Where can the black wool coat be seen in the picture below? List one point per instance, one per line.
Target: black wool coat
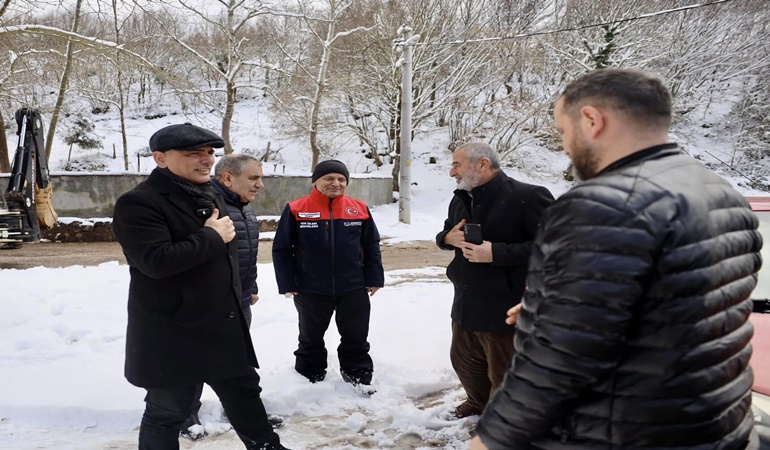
(509, 212)
(634, 332)
(185, 324)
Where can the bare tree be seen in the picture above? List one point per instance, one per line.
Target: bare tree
(121, 103)
(473, 77)
(222, 48)
(310, 65)
(63, 82)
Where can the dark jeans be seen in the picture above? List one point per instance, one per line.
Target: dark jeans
(167, 408)
(196, 406)
(352, 318)
(481, 361)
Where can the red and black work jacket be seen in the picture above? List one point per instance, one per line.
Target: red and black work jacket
(327, 246)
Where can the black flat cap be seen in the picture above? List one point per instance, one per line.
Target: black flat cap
(330, 166)
(184, 136)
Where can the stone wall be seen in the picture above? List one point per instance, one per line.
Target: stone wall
(93, 195)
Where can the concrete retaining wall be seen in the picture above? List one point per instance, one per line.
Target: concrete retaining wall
(93, 195)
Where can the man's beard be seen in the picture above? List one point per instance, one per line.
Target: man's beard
(585, 162)
(468, 181)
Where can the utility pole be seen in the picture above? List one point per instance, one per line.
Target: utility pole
(405, 168)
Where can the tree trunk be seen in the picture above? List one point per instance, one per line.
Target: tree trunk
(397, 165)
(266, 156)
(228, 117)
(4, 7)
(5, 165)
(316, 109)
(62, 86)
(121, 100)
(319, 92)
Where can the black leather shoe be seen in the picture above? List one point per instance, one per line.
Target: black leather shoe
(314, 377)
(269, 447)
(275, 421)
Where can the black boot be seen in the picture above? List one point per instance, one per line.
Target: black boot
(192, 428)
(357, 376)
(360, 379)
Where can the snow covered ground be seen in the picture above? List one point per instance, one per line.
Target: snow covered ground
(63, 333)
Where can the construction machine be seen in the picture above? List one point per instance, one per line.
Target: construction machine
(25, 206)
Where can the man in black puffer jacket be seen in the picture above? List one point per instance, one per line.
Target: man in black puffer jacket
(238, 179)
(633, 332)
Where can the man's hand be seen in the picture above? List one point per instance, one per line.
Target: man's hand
(223, 226)
(372, 290)
(455, 237)
(254, 299)
(477, 253)
(290, 294)
(513, 314)
(476, 444)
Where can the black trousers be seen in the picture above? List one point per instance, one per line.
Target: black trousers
(352, 318)
(167, 408)
(196, 406)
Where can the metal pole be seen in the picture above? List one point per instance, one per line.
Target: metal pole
(405, 170)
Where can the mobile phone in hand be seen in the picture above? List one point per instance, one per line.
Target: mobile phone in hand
(473, 233)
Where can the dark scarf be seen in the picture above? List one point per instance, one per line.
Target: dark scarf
(202, 194)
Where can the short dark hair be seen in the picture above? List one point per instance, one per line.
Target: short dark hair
(640, 96)
(233, 163)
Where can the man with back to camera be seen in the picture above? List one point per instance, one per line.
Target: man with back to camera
(185, 324)
(488, 277)
(633, 332)
(326, 253)
(237, 179)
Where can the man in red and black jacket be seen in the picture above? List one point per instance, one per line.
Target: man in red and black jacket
(326, 253)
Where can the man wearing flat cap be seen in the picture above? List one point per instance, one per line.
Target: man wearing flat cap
(326, 253)
(185, 324)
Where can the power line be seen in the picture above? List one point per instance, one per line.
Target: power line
(582, 27)
(756, 184)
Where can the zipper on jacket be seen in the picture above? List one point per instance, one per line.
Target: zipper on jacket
(248, 225)
(331, 238)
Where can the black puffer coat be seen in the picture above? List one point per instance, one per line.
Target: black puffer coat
(247, 234)
(635, 332)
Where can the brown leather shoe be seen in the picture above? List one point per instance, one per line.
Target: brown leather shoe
(464, 410)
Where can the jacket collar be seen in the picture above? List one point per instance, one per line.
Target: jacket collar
(229, 196)
(653, 152)
(176, 196)
(479, 193)
(317, 196)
